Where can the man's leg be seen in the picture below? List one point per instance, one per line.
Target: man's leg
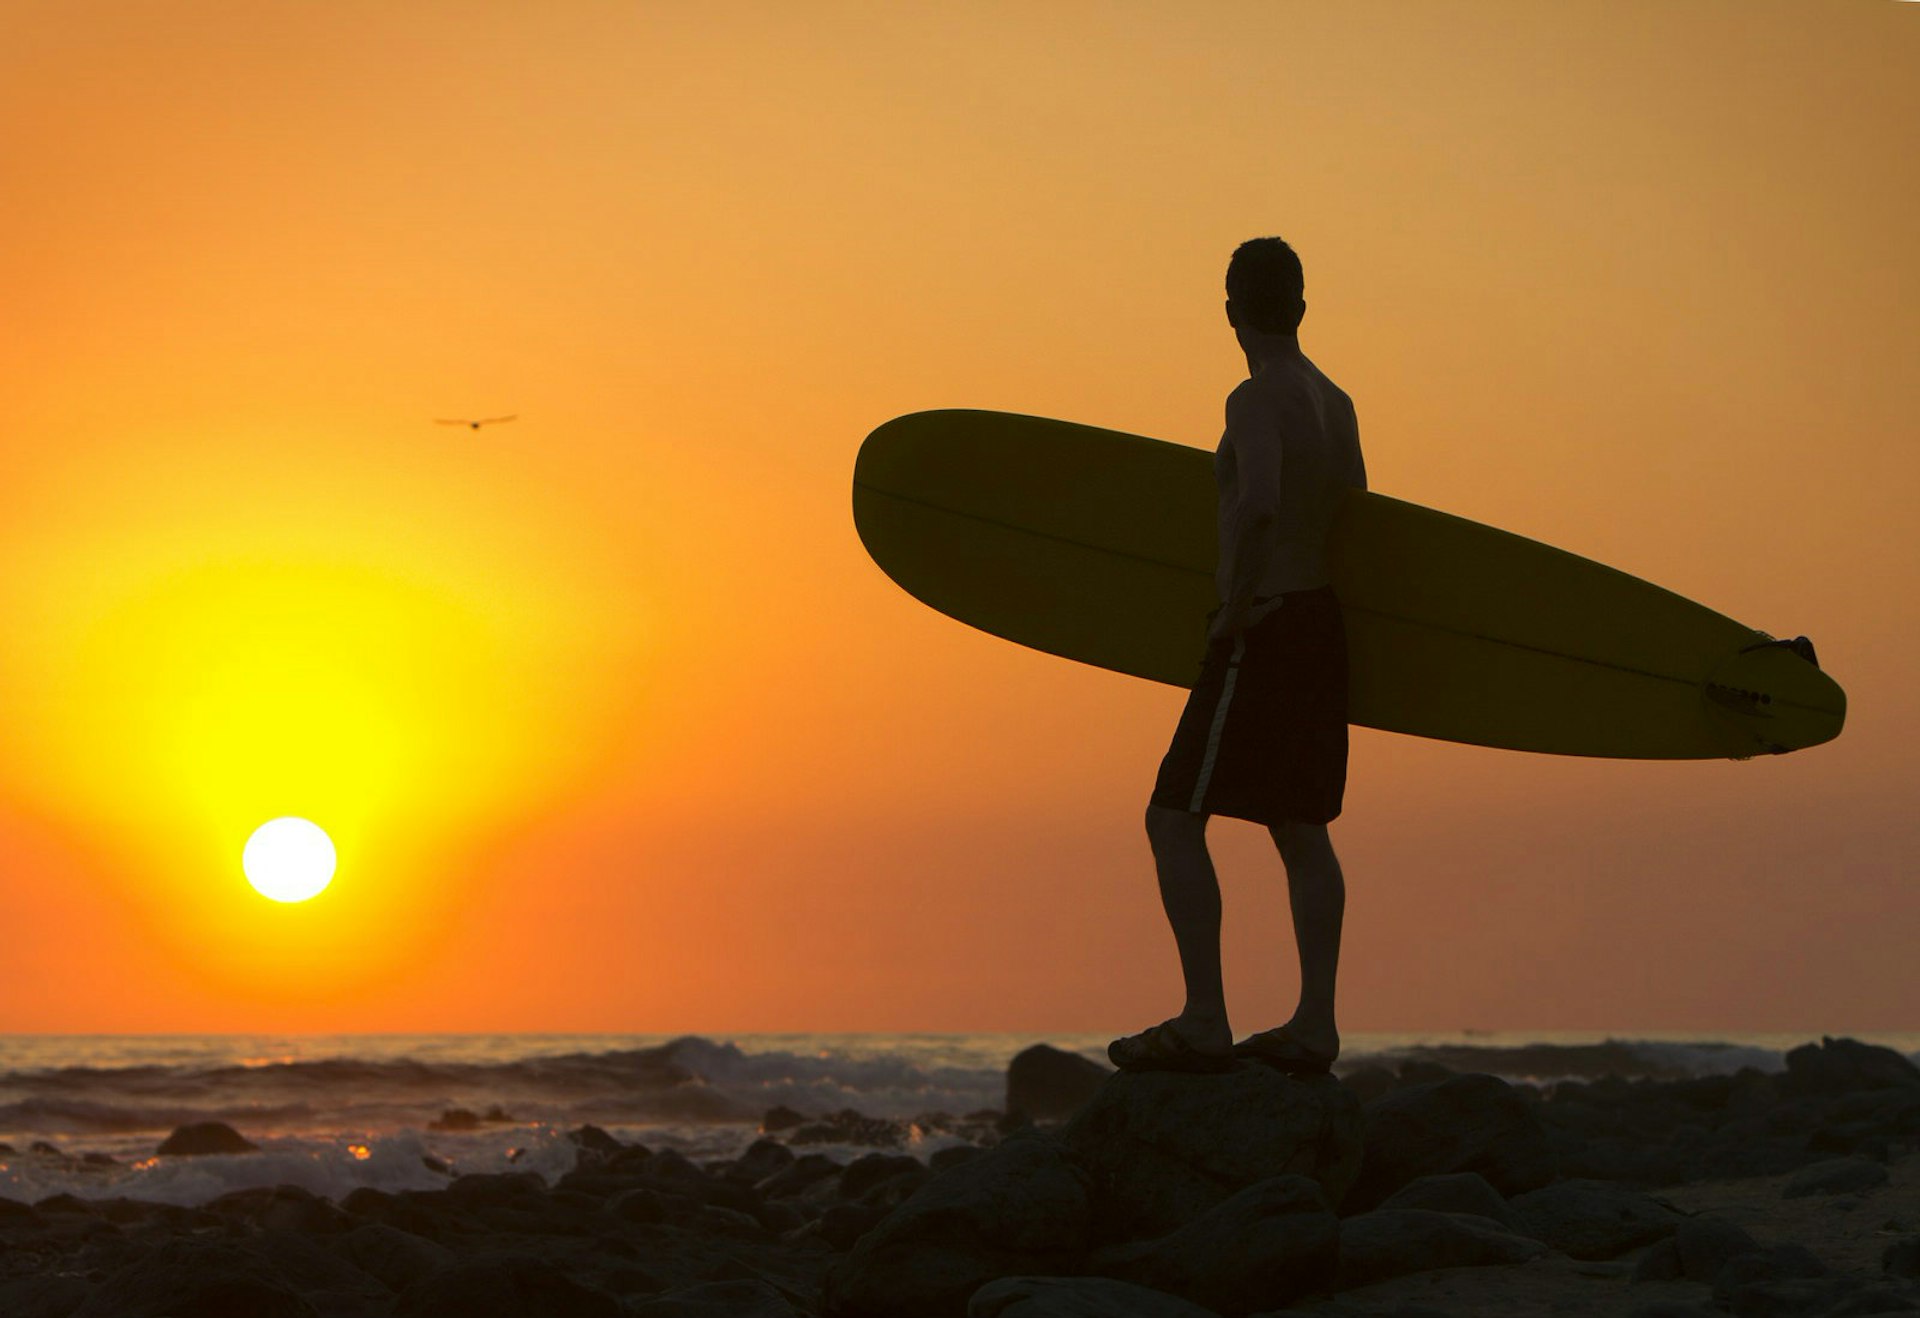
(1191, 895)
(1317, 892)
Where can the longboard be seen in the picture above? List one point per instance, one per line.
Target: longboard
(1100, 547)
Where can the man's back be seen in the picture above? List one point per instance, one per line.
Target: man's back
(1291, 408)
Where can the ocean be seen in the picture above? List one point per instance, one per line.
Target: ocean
(84, 1115)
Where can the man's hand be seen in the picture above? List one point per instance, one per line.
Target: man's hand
(1229, 620)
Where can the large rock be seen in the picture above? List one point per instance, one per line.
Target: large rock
(742, 1298)
(503, 1286)
(1593, 1219)
(1164, 1147)
(1465, 1123)
(1022, 1207)
(195, 1277)
(1835, 1176)
(1046, 1083)
(1392, 1242)
(1837, 1065)
(1262, 1248)
(1457, 1192)
(1076, 1297)
(397, 1258)
(204, 1137)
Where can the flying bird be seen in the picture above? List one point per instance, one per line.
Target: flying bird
(475, 424)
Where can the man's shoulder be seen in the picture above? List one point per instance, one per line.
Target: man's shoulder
(1270, 399)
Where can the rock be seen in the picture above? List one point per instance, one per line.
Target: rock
(1764, 1267)
(1592, 1219)
(781, 1118)
(1076, 1297)
(1705, 1244)
(1394, 1242)
(502, 1286)
(1455, 1192)
(1050, 1084)
(1672, 1309)
(1163, 1147)
(43, 1297)
(761, 1160)
(395, 1258)
(798, 1175)
(717, 1299)
(1835, 1176)
(863, 1174)
(1872, 1299)
(1367, 1083)
(1660, 1263)
(282, 1208)
(1467, 1123)
(1902, 1258)
(594, 1143)
(13, 1214)
(1838, 1065)
(1261, 1248)
(204, 1137)
(211, 1278)
(850, 1127)
(1021, 1208)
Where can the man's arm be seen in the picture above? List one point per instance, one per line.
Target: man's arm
(1253, 523)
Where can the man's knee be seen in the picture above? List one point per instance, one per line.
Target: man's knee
(1167, 827)
(1301, 842)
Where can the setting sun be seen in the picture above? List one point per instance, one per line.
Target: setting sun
(289, 859)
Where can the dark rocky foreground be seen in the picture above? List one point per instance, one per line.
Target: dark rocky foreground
(1414, 1193)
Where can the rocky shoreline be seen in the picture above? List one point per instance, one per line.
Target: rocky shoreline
(1412, 1192)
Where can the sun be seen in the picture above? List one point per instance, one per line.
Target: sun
(289, 859)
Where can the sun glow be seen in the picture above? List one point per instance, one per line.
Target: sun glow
(289, 859)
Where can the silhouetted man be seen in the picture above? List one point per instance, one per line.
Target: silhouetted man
(1264, 733)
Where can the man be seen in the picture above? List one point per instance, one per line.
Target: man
(1264, 733)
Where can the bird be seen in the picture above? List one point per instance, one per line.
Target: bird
(475, 425)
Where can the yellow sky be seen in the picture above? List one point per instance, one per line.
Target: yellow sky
(615, 725)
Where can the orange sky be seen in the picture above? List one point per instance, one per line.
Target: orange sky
(615, 725)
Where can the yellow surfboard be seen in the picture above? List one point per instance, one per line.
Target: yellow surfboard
(1100, 547)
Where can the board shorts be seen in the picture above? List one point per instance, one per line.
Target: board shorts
(1264, 733)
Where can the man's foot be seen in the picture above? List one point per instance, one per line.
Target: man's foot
(1164, 1048)
(1284, 1049)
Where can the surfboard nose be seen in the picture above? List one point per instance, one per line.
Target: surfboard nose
(1771, 697)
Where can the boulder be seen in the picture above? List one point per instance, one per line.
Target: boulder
(1593, 1219)
(1050, 1084)
(1465, 1123)
(502, 1286)
(742, 1298)
(1835, 1176)
(761, 1160)
(43, 1297)
(204, 1137)
(1076, 1297)
(1022, 1207)
(1902, 1258)
(1706, 1243)
(1394, 1242)
(396, 1258)
(1164, 1147)
(194, 1277)
(1455, 1192)
(1837, 1065)
(1262, 1248)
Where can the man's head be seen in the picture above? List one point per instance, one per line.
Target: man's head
(1265, 288)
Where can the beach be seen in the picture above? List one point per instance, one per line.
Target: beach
(927, 1174)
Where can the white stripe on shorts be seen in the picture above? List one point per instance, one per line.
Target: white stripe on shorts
(1219, 724)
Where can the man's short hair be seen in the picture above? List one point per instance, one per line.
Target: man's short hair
(1266, 286)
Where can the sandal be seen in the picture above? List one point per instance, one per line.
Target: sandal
(1162, 1048)
(1283, 1052)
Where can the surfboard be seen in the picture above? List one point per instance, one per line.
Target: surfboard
(1099, 546)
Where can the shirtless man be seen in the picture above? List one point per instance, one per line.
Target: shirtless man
(1264, 733)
